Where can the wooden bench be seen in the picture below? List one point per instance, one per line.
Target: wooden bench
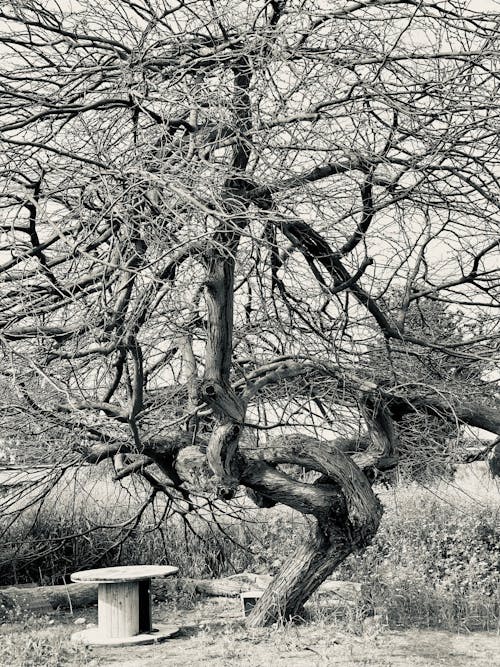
(124, 605)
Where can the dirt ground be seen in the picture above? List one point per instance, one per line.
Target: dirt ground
(212, 635)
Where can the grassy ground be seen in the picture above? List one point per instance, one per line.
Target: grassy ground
(212, 635)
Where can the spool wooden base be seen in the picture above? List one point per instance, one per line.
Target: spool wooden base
(95, 637)
(124, 606)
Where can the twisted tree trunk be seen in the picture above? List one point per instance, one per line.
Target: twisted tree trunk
(346, 510)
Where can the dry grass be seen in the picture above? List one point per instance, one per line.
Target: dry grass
(40, 641)
(214, 636)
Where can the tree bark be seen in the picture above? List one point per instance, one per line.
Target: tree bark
(301, 576)
(343, 503)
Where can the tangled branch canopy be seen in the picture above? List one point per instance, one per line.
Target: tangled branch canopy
(262, 213)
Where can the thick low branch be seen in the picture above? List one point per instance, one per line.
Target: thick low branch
(480, 416)
(326, 458)
(224, 459)
(281, 488)
(223, 400)
(166, 446)
(381, 432)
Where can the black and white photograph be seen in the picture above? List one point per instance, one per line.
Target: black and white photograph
(249, 333)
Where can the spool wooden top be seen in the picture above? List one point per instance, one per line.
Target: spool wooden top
(114, 575)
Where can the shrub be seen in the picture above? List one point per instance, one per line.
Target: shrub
(433, 564)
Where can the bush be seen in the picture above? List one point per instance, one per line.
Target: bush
(433, 564)
(46, 549)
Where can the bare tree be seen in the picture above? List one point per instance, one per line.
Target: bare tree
(204, 207)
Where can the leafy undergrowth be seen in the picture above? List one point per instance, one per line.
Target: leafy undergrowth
(433, 564)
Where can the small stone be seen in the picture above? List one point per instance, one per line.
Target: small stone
(80, 621)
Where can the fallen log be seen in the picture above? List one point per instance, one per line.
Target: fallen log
(43, 599)
(340, 593)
